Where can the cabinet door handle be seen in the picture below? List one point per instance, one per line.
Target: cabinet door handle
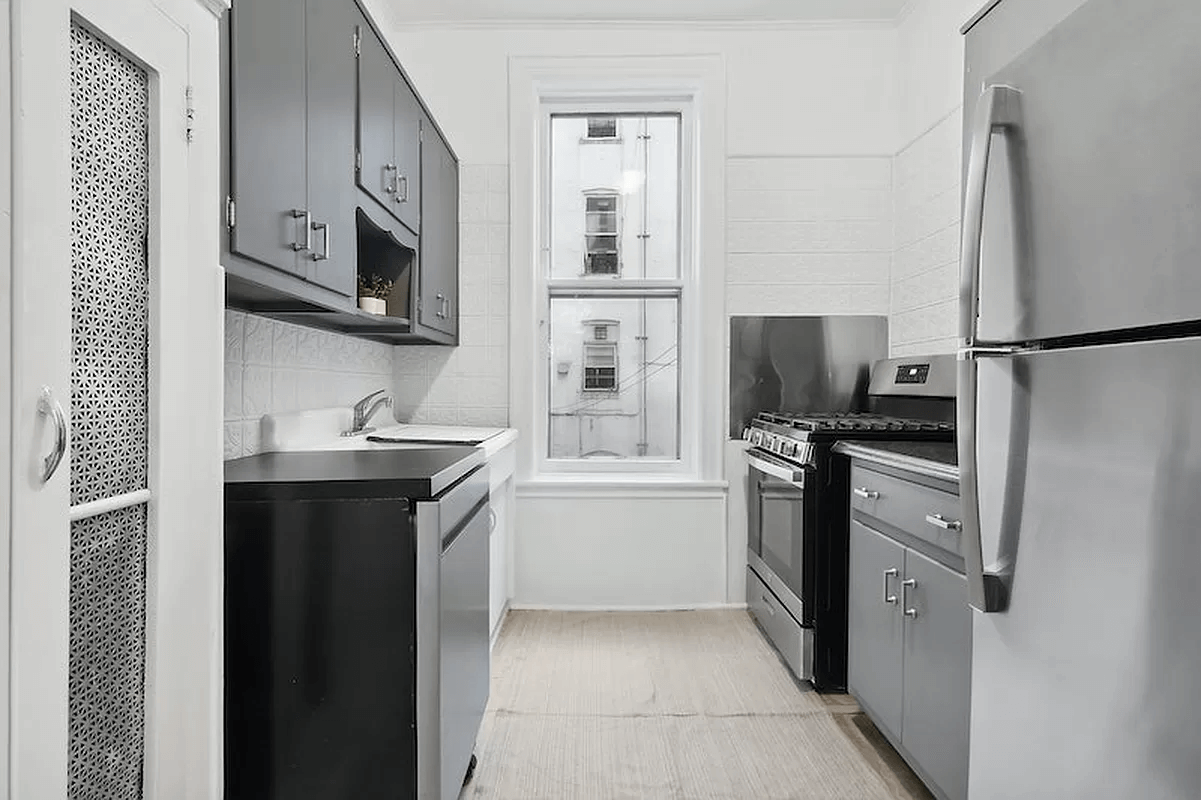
(446, 308)
(939, 521)
(324, 228)
(889, 599)
(865, 493)
(390, 186)
(403, 196)
(441, 312)
(48, 406)
(906, 585)
(307, 243)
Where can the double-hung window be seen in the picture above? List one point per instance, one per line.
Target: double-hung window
(616, 285)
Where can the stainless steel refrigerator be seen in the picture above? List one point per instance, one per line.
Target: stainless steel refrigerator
(1080, 397)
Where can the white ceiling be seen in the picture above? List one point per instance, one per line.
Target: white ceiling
(657, 11)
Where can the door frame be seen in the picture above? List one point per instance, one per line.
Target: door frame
(183, 757)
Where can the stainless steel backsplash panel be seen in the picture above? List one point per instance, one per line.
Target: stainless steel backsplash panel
(802, 364)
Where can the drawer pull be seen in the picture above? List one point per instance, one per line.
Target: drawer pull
(865, 493)
(889, 599)
(939, 521)
(767, 605)
(906, 585)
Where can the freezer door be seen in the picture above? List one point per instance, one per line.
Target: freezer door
(1087, 684)
(1092, 198)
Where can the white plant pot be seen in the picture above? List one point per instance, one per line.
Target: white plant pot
(373, 305)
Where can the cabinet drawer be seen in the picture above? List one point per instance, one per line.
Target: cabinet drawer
(912, 507)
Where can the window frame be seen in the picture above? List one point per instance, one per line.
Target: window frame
(685, 288)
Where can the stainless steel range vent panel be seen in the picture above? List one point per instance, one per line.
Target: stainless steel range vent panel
(109, 419)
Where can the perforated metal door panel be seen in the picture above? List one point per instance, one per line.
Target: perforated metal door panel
(109, 414)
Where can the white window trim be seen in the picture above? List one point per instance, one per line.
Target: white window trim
(694, 86)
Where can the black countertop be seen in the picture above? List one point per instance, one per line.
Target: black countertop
(419, 473)
(935, 459)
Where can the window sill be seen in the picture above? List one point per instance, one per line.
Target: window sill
(601, 140)
(651, 486)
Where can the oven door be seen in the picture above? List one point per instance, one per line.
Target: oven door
(776, 526)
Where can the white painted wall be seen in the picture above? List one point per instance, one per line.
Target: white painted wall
(923, 307)
(273, 366)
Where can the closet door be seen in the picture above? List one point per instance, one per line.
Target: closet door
(99, 292)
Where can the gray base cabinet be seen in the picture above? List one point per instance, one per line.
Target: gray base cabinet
(909, 625)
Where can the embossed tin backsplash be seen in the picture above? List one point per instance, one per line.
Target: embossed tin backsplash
(801, 364)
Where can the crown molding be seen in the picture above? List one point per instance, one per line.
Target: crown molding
(674, 24)
(215, 7)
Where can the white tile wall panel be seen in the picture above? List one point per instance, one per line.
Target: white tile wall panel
(926, 288)
(791, 298)
(920, 219)
(809, 204)
(473, 179)
(938, 321)
(808, 268)
(789, 174)
(747, 236)
(933, 251)
(928, 347)
(273, 366)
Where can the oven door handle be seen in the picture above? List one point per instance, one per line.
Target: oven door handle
(777, 469)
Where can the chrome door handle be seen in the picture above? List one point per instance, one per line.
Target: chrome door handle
(441, 305)
(998, 110)
(491, 520)
(889, 599)
(906, 585)
(48, 406)
(324, 228)
(403, 195)
(446, 307)
(307, 244)
(939, 521)
(865, 493)
(389, 186)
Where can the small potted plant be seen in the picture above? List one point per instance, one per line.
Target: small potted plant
(373, 294)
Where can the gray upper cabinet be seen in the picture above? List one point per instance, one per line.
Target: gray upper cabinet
(378, 173)
(875, 623)
(389, 127)
(330, 113)
(938, 668)
(439, 236)
(269, 159)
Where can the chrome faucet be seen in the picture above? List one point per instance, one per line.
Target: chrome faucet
(363, 411)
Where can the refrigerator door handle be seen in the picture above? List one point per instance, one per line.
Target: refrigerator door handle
(998, 111)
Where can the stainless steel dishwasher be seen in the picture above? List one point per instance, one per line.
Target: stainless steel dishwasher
(453, 655)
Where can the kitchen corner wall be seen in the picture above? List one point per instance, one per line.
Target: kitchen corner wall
(923, 308)
(468, 384)
(273, 366)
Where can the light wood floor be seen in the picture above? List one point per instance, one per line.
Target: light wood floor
(673, 705)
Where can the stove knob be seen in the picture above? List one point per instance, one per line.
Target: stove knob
(792, 448)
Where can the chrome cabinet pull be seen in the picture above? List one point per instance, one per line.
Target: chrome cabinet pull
(389, 186)
(441, 306)
(324, 228)
(889, 599)
(307, 244)
(767, 604)
(48, 406)
(906, 585)
(939, 521)
(446, 308)
(491, 520)
(865, 493)
(403, 195)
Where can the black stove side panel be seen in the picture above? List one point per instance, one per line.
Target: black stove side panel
(831, 567)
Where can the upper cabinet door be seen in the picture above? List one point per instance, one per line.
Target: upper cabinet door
(439, 236)
(268, 160)
(330, 126)
(378, 172)
(408, 157)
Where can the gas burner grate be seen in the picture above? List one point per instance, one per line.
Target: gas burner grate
(855, 422)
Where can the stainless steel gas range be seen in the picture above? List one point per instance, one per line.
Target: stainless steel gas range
(798, 500)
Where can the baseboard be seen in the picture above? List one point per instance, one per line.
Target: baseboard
(677, 607)
(500, 623)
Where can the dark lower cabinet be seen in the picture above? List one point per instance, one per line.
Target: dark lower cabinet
(320, 631)
(909, 654)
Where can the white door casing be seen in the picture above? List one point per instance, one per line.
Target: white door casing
(168, 38)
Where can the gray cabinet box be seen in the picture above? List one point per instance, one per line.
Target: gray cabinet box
(909, 626)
